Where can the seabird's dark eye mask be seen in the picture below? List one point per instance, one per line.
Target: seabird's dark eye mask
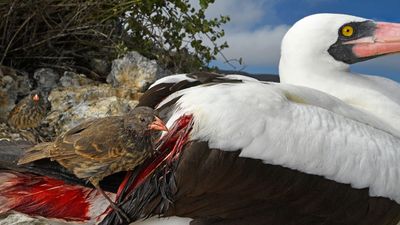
(349, 32)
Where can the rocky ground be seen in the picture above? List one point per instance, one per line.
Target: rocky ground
(72, 98)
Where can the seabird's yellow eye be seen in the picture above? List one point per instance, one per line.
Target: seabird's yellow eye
(347, 31)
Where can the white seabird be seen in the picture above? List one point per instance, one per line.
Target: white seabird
(318, 50)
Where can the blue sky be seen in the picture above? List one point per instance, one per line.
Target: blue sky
(257, 27)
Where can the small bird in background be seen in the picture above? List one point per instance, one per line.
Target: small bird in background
(104, 146)
(29, 112)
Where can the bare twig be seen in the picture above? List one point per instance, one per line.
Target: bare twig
(15, 34)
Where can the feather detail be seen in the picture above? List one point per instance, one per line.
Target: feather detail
(50, 198)
(139, 188)
(37, 152)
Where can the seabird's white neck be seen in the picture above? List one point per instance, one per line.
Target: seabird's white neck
(314, 68)
(322, 73)
(300, 68)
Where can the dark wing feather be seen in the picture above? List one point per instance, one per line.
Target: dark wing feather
(12, 151)
(159, 92)
(247, 191)
(82, 126)
(209, 77)
(220, 188)
(152, 97)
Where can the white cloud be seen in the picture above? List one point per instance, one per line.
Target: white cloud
(247, 36)
(244, 15)
(258, 47)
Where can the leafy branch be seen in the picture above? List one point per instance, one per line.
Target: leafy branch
(70, 33)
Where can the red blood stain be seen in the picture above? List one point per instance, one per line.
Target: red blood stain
(47, 197)
(169, 148)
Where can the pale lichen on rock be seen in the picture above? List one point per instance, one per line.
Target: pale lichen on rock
(135, 71)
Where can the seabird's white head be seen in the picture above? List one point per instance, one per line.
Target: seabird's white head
(333, 41)
(318, 50)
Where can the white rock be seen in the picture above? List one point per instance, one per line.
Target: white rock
(135, 71)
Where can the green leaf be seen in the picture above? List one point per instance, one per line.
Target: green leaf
(203, 4)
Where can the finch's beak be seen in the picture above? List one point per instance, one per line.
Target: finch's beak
(35, 98)
(158, 124)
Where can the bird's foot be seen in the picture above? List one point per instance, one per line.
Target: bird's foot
(123, 217)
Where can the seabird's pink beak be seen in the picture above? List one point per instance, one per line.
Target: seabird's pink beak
(385, 40)
(158, 124)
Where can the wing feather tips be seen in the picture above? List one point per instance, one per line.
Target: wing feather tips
(50, 198)
(6, 181)
(35, 153)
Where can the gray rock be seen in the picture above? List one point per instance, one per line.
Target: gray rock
(135, 71)
(23, 84)
(8, 95)
(100, 66)
(73, 105)
(46, 79)
(71, 79)
(110, 106)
